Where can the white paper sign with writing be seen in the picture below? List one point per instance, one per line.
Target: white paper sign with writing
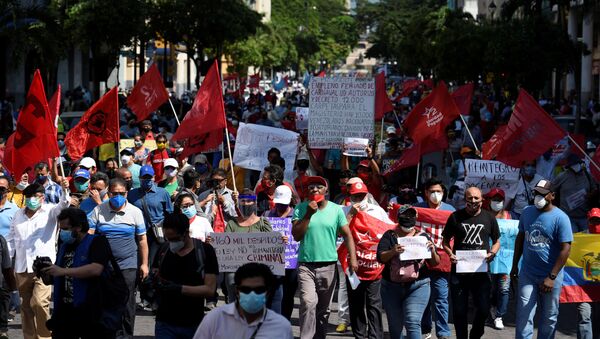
(302, 118)
(236, 249)
(489, 174)
(355, 147)
(340, 107)
(254, 141)
(471, 261)
(415, 248)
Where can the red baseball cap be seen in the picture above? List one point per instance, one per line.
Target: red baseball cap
(494, 192)
(365, 163)
(594, 213)
(357, 188)
(316, 180)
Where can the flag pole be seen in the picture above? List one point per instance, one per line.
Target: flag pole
(469, 132)
(584, 153)
(417, 180)
(230, 159)
(381, 135)
(174, 113)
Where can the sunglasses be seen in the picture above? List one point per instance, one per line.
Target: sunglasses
(248, 289)
(118, 193)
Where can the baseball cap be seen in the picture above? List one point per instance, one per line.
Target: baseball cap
(171, 163)
(82, 173)
(357, 188)
(283, 195)
(146, 170)
(354, 180)
(316, 180)
(87, 162)
(127, 151)
(494, 192)
(200, 158)
(406, 208)
(365, 163)
(594, 213)
(543, 187)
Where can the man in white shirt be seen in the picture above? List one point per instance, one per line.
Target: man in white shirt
(248, 316)
(33, 234)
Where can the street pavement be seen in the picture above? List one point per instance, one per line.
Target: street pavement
(567, 323)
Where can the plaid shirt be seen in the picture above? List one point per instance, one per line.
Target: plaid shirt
(53, 192)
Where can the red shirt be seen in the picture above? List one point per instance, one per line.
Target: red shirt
(157, 158)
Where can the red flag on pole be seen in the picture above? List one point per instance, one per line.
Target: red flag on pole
(463, 97)
(530, 132)
(54, 106)
(208, 111)
(491, 147)
(429, 118)
(383, 104)
(412, 155)
(148, 94)
(98, 126)
(254, 81)
(35, 136)
(201, 143)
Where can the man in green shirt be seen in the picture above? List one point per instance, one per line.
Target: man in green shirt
(316, 224)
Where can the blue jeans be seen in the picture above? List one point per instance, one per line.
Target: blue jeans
(404, 305)
(588, 320)
(501, 288)
(439, 303)
(478, 285)
(276, 300)
(528, 298)
(163, 330)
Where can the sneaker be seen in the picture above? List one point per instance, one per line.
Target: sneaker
(498, 324)
(341, 328)
(427, 335)
(210, 306)
(3, 335)
(11, 316)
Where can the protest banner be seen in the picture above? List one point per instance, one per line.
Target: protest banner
(236, 249)
(254, 141)
(340, 107)
(302, 118)
(284, 226)
(581, 281)
(488, 174)
(355, 147)
(502, 263)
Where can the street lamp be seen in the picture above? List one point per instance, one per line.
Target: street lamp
(492, 8)
(322, 64)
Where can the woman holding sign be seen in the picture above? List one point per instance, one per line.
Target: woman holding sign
(405, 292)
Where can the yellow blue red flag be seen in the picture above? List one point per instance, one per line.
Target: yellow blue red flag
(581, 281)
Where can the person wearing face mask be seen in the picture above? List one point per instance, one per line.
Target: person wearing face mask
(247, 317)
(123, 224)
(471, 228)
(544, 242)
(440, 274)
(404, 288)
(343, 198)
(60, 140)
(202, 167)
(199, 225)
(573, 186)
(81, 182)
(158, 157)
(146, 130)
(140, 152)
(185, 273)
(52, 190)
(524, 194)
(80, 261)
(127, 162)
(32, 234)
(368, 171)
(15, 194)
(111, 167)
(219, 196)
(98, 193)
(272, 177)
(172, 182)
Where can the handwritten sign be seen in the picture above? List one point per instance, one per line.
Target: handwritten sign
(355, 147)
(340, 107)
(284, 226)
(415, 248)
(236, 249)
(489, 174)
(471, 261)
(302, 118)
(254, 141)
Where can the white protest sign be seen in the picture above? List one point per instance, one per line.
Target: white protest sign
(355, 147)
(340, 107)
(488, 174)
(236, 249)
(415, 248)
(471, 261)
(254, 141)
(302, 118)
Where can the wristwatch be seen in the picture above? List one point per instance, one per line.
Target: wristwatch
(551, 276)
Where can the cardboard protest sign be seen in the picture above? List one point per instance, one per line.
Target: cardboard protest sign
(488, 174)
(355, 147)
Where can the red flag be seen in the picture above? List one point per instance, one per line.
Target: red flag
(407, 87)
(35, 136)
(219, 221)
(148, 94)
(202, 143)
(98, 126)
(54, 106)
(429, 118)
(366, 232)
(253, 81)
(208, 112)
(463, 97)
(383, 104)
(530, 132)
(412, 155)
(491, 147)
(595, 171)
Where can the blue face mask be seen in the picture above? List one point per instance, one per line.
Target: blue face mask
(201, 168)
(189, 212)
(146, 184)
(252, 302)
(67, 237)
(117, 201)
(81, 187)
(33, 203)
(42, 179)
(61, 143)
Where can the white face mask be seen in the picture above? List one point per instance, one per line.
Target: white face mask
(576, 168)
(540, 202)
(22, 185)
(125, 159)
(407, 229)
(171, 173)
(436, 197)
(497, 206)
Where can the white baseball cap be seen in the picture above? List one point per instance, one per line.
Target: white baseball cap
(87, 162)
(283, 195)
(171, 162)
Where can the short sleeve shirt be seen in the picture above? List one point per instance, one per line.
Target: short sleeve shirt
(319, 242)
(471, 232)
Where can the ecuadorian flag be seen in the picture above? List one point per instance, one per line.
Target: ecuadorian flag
(581, 281)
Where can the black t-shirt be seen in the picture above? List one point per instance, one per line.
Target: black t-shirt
(471, 232)
(180, 310)
(388, 240)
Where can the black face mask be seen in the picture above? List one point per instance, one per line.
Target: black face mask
(247, 210)
(406, 221)
(129, 184)
(111, 173)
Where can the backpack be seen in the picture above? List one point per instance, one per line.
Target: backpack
(405, 271)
